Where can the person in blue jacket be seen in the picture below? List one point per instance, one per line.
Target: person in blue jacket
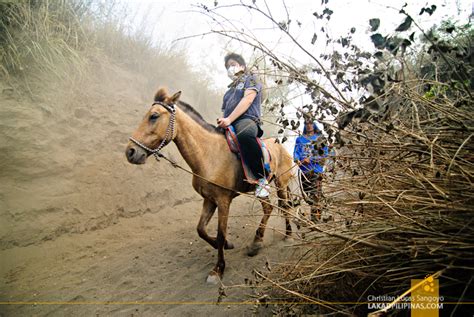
(310, 153)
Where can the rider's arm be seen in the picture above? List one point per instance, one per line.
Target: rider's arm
(244, 104)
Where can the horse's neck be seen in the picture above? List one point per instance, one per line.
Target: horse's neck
(197, 145)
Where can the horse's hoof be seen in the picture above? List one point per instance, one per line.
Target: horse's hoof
(254, 248)
(213, 278)
(288, 240)
(228, 245)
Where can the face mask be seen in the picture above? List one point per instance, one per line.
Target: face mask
(233, 70)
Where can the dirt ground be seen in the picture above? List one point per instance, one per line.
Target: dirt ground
(152, 258)
(80, 226)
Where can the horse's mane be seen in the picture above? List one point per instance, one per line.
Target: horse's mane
(196, 116)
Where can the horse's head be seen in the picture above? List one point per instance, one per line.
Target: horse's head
(156, 129)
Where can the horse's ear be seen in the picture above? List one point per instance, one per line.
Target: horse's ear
(175, 97)
(161, 94)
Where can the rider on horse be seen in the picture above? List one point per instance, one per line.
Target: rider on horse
(241, 109)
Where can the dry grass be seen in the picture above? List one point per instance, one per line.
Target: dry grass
(50, 41)
(40, 37)
(402, 199)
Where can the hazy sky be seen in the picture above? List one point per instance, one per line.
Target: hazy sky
(172, 20)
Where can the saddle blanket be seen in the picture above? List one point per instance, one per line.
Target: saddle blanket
(234, 147)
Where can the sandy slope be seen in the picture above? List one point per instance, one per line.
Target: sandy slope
(80, 224)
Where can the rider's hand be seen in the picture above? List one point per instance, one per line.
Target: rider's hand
(305, 161)
(223, 122)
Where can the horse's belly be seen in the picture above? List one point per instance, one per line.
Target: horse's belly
(230, 183)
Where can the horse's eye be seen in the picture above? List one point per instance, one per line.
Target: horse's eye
(154, 116)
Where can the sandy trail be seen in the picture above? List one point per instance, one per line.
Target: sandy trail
(155, 257)
(78, 223)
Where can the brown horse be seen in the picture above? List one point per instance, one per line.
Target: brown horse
(218, 174)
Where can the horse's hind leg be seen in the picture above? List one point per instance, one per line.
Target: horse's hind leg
(257, 243)
(208, 210)
(284, 204)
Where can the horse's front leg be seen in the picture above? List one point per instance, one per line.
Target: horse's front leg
(257, 243)
(223, 215)
(208, 209)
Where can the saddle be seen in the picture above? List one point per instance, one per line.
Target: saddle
(234, 147)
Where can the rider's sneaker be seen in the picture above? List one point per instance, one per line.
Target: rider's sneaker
(262, 189)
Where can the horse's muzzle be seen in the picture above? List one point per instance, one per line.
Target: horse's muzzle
(135, 154)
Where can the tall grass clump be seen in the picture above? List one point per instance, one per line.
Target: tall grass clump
(64, 38)
(42, 36)
(402, 193)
